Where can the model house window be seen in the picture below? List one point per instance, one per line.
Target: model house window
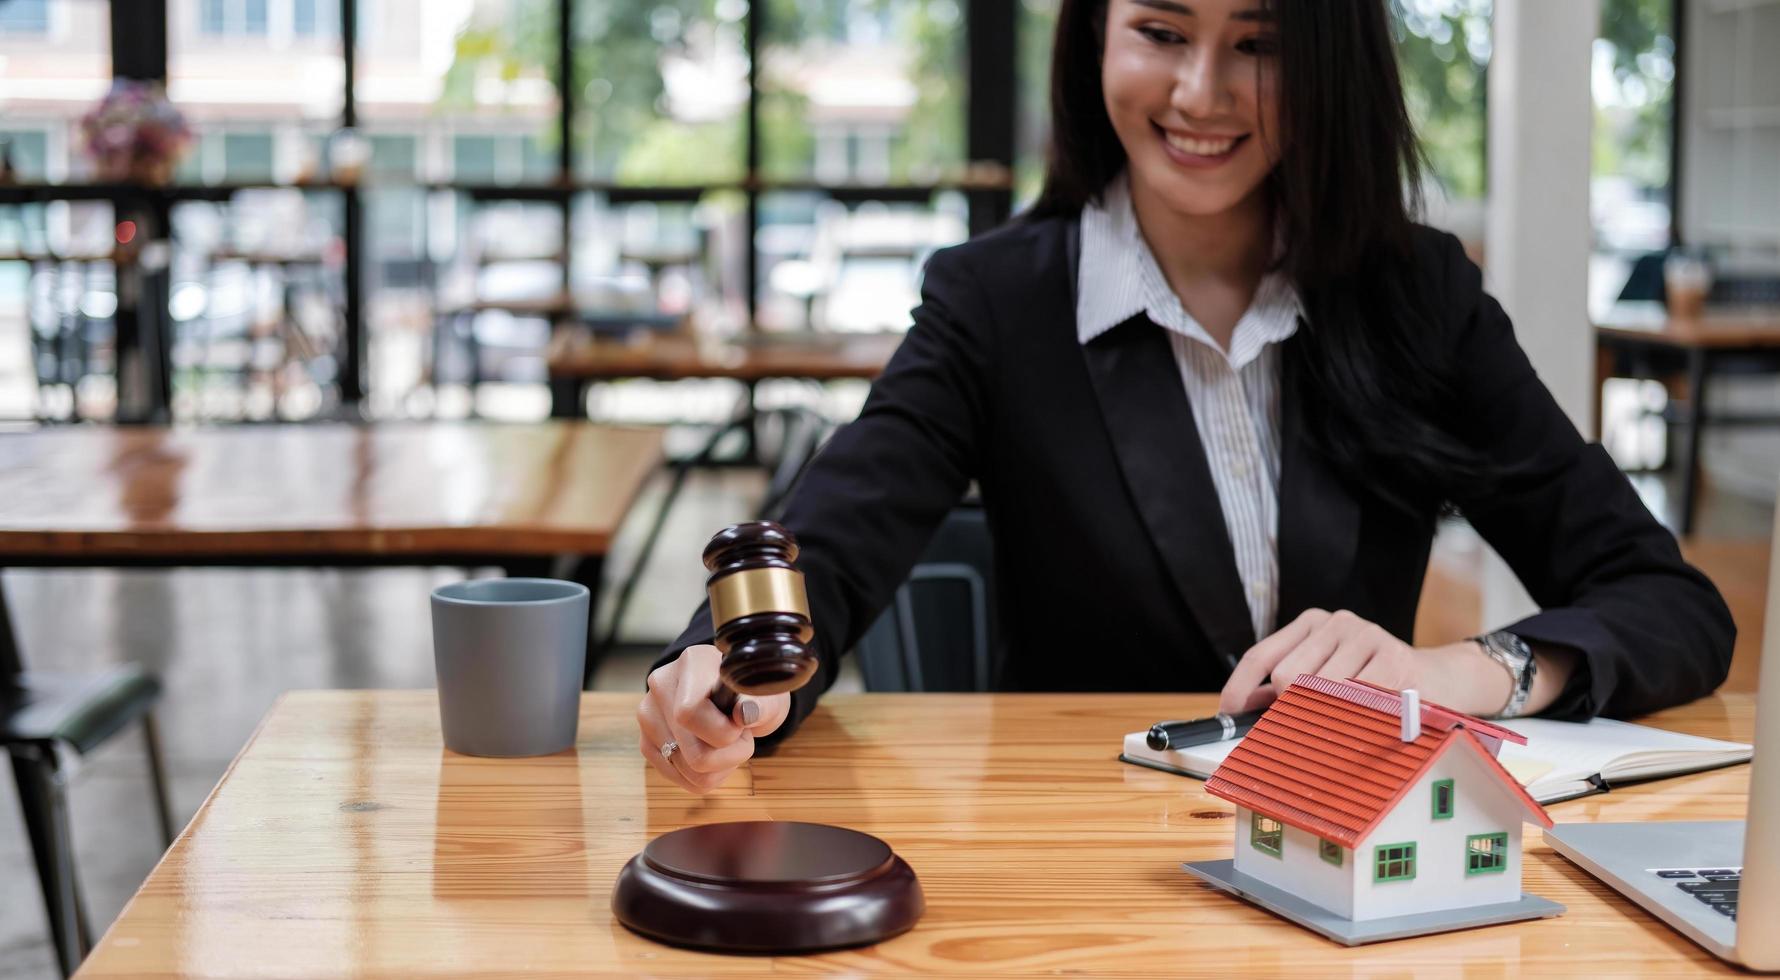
(1330, 851)
(1393, 862)
(1443, 799)
(1266, 834)
(1486, 854)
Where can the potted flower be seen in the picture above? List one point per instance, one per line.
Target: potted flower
(135, 135)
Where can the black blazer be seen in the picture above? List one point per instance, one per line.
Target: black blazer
(1113, 565)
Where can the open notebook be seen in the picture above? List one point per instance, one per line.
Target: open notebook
(1561, 760)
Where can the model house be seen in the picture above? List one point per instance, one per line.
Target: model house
(1370, 804)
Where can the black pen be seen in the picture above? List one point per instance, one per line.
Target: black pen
(1217, 728)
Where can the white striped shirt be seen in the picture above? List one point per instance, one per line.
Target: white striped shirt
(1234, 395)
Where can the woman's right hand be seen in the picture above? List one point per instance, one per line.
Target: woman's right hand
(678, 709)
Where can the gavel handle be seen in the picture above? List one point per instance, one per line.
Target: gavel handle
(724, 697)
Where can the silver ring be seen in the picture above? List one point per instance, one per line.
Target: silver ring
(668, 748)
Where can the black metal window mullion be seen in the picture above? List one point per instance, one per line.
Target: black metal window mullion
(991, 28)
(144, 383)
(1677, 117)
(754, 27)
(352, 367)
(565, 131)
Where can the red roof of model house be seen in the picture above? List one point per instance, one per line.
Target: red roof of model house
(1328, 758)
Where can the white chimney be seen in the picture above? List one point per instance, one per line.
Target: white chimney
(1412, 715)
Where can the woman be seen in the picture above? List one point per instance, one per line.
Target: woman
(1217, 388)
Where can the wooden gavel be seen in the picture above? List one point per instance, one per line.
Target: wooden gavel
(760, 612)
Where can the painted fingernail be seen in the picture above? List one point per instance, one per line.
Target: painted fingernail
(750, 712)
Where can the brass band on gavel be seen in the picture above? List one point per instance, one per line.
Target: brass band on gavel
(760, 614)
(757, 590)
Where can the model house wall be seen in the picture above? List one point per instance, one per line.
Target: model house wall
(1298, 869)
(1481, 804)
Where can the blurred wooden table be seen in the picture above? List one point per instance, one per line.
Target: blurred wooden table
(1642, 339)
(319, 494)
(575, 361)
(344, 841)
(527, 497)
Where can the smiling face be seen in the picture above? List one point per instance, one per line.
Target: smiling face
(1192, 90)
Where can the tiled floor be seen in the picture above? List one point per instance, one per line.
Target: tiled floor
(227, 642)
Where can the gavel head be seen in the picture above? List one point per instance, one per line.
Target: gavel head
(759, 609)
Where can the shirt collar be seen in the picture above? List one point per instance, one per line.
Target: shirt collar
(1118, 278)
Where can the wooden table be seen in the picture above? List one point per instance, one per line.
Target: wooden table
(521, 496)
(568, 315)
(577, 361)
(343, 840)
(1641, 339)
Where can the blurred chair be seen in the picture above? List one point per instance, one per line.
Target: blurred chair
(940, 632)
(1645, 281)
(41, 716)
(802, 433)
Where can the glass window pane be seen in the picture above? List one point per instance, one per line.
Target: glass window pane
(394, 157)
(310, 18)
(664, 91)
(1631, 191)
(24, 17)
(25, 152)
(234, 66)
(399, 271)
(213, 16)
(254, 286)
(473, 158)
(1443, 47)
(247, 157)
(670, 257)
(51, 76)
(857, 91)
(830, 265)
(474, 83)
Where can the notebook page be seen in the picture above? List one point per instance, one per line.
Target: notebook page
(1207, 757)
(1194, 760)
(1579, 750)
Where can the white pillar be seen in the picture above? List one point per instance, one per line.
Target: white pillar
(1537, 230)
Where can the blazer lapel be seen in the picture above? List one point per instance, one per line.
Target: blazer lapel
(1319, 518)
(1151, 423)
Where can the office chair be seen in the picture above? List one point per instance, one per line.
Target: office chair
(940, 632)
(40, 715)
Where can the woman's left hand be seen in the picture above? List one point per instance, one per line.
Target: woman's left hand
(1341, 645)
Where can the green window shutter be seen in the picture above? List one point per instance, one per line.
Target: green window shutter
(1330, 851)
(1393, 862)
(1443, 799)
(1266, 834)
(1486, 854)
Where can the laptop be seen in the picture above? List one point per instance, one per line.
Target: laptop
(1717, 882)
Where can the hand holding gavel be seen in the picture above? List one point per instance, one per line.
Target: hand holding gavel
(703, 710)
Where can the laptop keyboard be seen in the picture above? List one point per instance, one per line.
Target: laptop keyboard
(1716, 887)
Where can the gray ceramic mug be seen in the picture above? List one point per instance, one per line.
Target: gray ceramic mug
(509, 654)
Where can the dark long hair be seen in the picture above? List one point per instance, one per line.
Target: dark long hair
(1344, 193)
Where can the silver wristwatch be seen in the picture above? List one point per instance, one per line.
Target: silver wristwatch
(1515, 657)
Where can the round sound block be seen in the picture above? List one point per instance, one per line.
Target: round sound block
(767, 886)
